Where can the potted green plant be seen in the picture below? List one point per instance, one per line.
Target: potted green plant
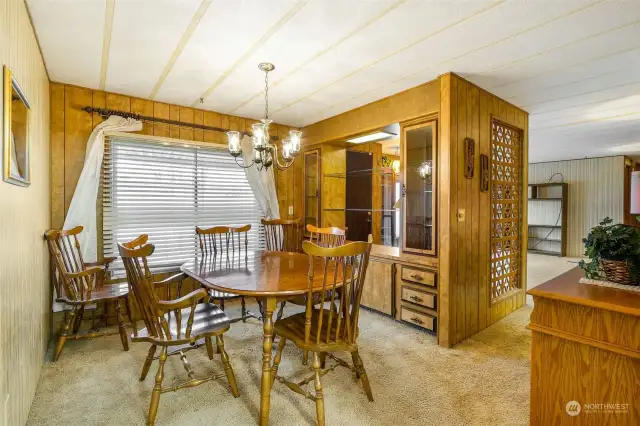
(614, 253)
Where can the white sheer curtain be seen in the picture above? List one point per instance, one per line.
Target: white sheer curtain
(82, 210)
(263, 183)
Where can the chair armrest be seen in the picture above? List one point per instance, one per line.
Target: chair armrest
(87, 272)
(172, 279)
(184, 302)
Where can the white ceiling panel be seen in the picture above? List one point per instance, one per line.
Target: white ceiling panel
(420, 20)
(608, 64)
(574, 65)
(227, 31)
(70, 34)
(145, 34)
(589, 48)
(295, 45)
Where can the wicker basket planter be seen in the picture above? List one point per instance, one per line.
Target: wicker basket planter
(617, 271)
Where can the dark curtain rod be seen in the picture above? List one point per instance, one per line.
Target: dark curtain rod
(104, 112)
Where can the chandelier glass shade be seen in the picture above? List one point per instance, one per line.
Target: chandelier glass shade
(265, 153)
(425, 170)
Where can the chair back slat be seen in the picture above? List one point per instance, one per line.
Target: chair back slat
(327, 237)
(223, 239)
(134, 257)
(66, 256)
(283, 235)
(343, 270)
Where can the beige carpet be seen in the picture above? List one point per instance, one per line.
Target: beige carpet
(482, 381)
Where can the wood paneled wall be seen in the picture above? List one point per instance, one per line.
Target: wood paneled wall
(464, 247)
(71, 127)
(596, 190)
(24, 216)
(415, 102)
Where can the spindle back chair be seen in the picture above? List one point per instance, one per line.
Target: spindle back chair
(79, 284)
(283, 235)
(184, 323)
(222, 238)
(178, 279)
(327, 237)
(226, 243)
(322, 330)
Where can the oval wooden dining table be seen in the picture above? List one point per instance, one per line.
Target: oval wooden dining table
(270, 277)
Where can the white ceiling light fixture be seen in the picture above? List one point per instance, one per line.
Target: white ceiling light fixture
(264, 152)
(377, 136)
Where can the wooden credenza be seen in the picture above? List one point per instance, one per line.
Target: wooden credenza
(585, 354)
(403, 286)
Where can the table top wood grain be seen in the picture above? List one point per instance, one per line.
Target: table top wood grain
(567, 288)
(257, 273)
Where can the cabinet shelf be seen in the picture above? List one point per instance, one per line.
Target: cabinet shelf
(551, 253)
(544, 201)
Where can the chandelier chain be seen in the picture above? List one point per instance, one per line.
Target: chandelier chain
(266, 95)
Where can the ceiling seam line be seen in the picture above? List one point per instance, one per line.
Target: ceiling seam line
(491, 69)
(186, 36)
(576, 123)
(630, 24)
(631, 49)
(265, 37)
(325, 51)
(392, 54)
(583, 93)
(564, 84)
(109, 12)
(582, 113)
(577, 106)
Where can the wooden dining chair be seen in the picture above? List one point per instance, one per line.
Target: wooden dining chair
(227, 244)
(320, 329)
(182, 324)
(283, 235)
(162, 287)
(327, 237)
(80, 284)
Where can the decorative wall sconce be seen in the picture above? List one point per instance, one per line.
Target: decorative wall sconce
(469, 157)
(484, 173)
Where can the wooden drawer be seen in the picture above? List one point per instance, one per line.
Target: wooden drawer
(418, 276)
(418, 297)
(422, 320)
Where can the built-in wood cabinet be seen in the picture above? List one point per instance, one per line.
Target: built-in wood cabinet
(312, 188)
(418, 162)
(378, 288)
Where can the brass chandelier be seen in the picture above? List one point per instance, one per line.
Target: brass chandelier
(264, 152)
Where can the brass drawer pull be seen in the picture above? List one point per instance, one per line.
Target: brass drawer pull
(416, 277)
(416, 298)
(417, 320)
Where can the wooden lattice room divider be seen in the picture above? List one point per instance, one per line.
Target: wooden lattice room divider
(506, 209)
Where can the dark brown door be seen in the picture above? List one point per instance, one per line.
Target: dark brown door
(359, 191)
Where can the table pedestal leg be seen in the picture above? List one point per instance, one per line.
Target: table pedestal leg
(265, 387)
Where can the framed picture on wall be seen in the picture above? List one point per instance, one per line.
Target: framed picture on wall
(16, 132)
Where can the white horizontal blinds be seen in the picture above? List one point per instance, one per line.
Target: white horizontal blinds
(165, 191)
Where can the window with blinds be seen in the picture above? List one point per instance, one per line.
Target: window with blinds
(165, 191)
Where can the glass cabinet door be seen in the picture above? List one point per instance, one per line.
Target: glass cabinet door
(311, 189)
(419, 175)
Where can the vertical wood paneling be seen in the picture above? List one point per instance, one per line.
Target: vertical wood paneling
(465, 277)
(25, 214)
(596, 190)
(444, 220)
